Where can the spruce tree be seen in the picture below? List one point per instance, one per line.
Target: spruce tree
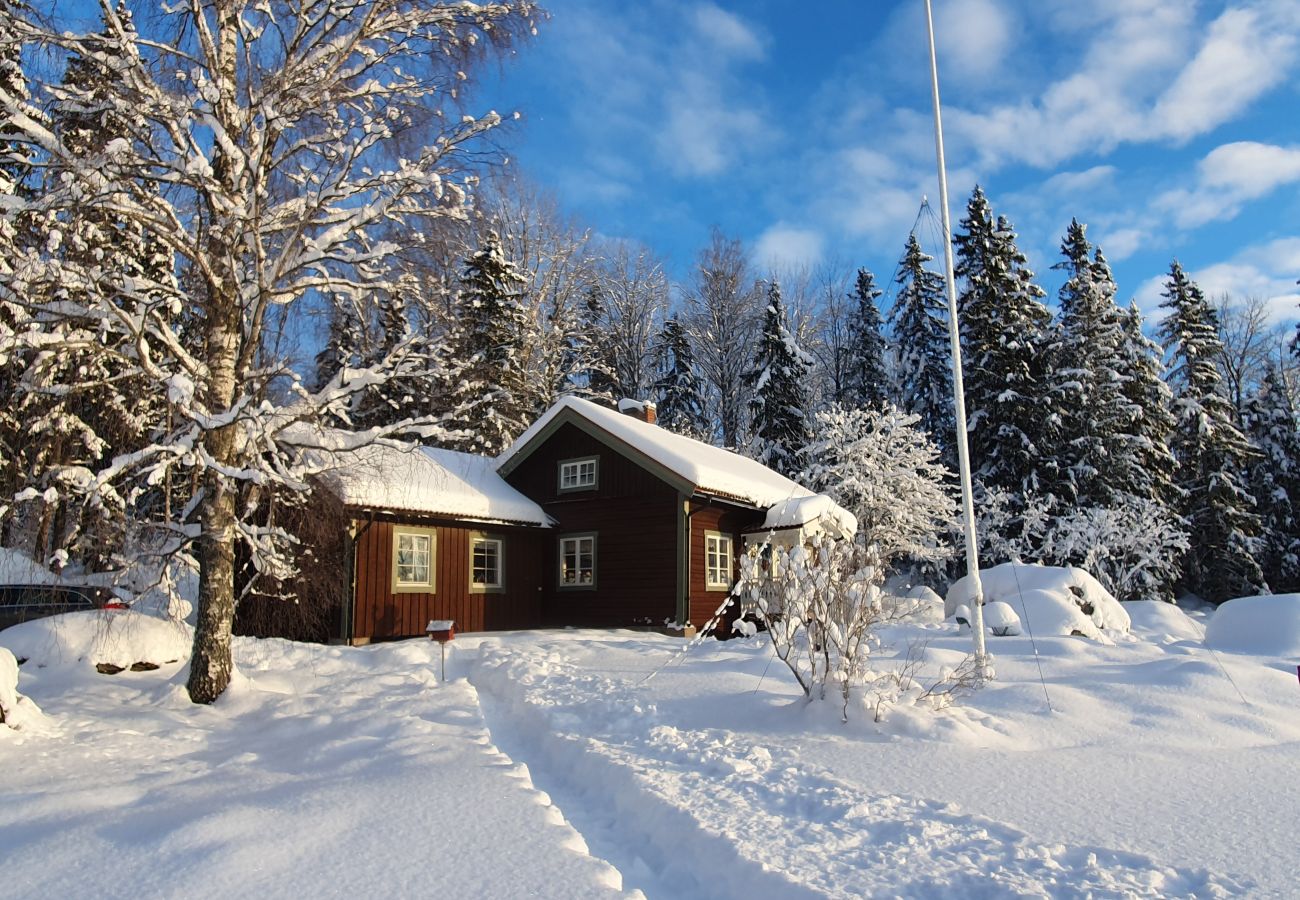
(1212, 455)
(778, 385)
(491, 325)
(1275, 481)
(1006, 345)
(678, 388)
(922, 354)
(1087, 379)
(866, 383)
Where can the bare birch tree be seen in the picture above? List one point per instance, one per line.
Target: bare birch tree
(258, 159)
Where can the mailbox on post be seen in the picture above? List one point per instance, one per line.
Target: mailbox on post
(442, 631)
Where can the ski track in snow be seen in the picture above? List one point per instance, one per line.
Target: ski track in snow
(707, 814)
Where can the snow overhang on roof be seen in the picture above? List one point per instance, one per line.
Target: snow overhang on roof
(430, 482)
(694, 467)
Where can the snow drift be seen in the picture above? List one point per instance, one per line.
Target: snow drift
(1267, 625)
(1047, 599)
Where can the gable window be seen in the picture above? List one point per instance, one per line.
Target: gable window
(717, 561)
(578, 474)
(578, 560)
(486, 564)
(413, 554)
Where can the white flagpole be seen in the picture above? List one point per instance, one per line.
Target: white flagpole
(959, 398)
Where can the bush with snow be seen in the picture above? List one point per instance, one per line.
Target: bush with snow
(113, 639)
(1047, 599)
(822, 603)
(1268, 625)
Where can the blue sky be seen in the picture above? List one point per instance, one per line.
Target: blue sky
(1171, 127)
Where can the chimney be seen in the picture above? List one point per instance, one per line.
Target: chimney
(638, 409)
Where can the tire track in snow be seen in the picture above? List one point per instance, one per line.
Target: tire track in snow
(708, 813)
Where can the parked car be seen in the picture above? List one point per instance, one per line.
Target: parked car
(23, 602)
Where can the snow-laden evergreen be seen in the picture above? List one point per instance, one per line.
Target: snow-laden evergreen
(491, 330)
(1212, 454)
(1275, 481)
(678, 390)
(922, 355)
(779, 392)
(1006, 348)
(1087, 378)
(866, 380)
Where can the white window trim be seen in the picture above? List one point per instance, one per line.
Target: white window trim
(576, 465)
(559, 563)
(415, 587)
(723, 540)
(500, 585)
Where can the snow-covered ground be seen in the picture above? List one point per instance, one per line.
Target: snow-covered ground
(575, 763)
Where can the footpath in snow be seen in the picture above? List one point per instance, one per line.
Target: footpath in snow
(712, 812)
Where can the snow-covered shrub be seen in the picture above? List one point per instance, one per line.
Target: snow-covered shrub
(822, 603)
(1049, 600)
(1132, 546)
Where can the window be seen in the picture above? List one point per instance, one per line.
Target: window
(413, 550)
(717, 560)
(578, 474)
(485, 564)
(578, 561)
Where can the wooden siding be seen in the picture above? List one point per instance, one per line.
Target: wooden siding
(379, 613)
(634, 516)
(726, 519)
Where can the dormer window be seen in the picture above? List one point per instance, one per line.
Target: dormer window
(578, 474)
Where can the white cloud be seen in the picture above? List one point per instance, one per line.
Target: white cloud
(784, 247)
(1149, 74)
(1244, 54)
(1122, 243)
(728, 32)
(973, 36)
(1228, 177)
(1266, 271)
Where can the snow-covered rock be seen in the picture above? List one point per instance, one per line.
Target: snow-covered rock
(1048, 599)
(1267, 625)
(116, 638)
(1001, 619)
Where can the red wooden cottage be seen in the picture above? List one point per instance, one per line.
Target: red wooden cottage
(592, 517)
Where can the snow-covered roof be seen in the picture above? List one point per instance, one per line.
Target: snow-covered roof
(430, 481)
(708, 469)
(797, 511)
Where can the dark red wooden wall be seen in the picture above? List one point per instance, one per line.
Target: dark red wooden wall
(634, 514)
(725, 519)
(379, 613)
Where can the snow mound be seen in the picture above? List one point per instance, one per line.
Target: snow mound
(1051, 599)
(1001, 619)
(1162, 622)
(1267, 625)
(15, 709)
(118, 638)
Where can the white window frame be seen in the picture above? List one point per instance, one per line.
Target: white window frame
(493, 586)
(581, 474)
(719, 560)
(576, 541)
(429, 538)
